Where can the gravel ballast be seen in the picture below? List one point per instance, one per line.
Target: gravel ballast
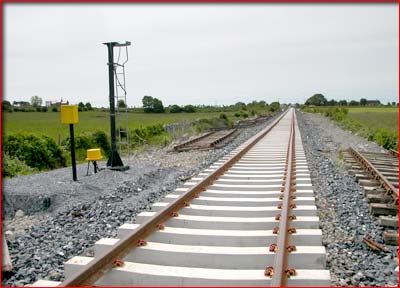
(83, 212)
(343, 209)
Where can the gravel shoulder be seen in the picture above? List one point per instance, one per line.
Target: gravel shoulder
(82, 212)
(343, 209)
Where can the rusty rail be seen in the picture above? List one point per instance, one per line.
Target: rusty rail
(251, 122)
(179, 146)
(394, 152)
(281, 269)
(221, 139)
(367, 239)
(203, 142)
(245, 123)
(374, 172)
(99, 266)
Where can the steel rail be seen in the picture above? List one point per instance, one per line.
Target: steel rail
(182, 145)
(251, 122)
(374, 172)
(222, 138)
(281, 258)
(99, 266)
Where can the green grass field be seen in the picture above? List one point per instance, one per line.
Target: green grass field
(376, 118)
(48, 123)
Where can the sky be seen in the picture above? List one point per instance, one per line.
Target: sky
(212, 54)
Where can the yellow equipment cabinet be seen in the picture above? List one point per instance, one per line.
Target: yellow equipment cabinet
(69, 114)
(93, 154)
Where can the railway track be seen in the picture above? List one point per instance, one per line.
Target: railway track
(218, 137)
(248, 220)
(209, 140)
(251, 122)
(378, 173)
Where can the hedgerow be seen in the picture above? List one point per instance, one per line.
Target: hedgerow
(38, 152)
(12, 167)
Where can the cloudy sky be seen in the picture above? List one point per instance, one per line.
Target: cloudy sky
(203, 53)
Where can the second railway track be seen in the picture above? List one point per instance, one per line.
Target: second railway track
(378, 174)
(248, 220)
(209, 140)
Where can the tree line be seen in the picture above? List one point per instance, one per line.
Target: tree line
(154, 105)
(320, 100)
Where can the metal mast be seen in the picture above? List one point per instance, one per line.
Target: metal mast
(121, 114)
(114, 161)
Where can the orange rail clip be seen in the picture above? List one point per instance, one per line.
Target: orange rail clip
(269, 271)
(290, 272)
(291, 248)
(160, 226)
(141, 242)
(273, 248)
(118, 263)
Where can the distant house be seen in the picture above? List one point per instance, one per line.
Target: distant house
(373, 103)
(56, 103)
(21, 104)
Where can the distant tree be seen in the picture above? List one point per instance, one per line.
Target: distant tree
(54, 109)
(121, 103)
(363, 101)
(274, 106)
(189, 109)
(175, 109)
(36, 101)
(148, 104)
(5, 105)
(88, 106)
(253, 103)
(262, 103)
(393, 104)
(240, 104)
(354, 103)
(158, 106)
(317, 100)
(342, 103)
(81, 105)
(152, 105)
(331, 102)
(44, 109)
